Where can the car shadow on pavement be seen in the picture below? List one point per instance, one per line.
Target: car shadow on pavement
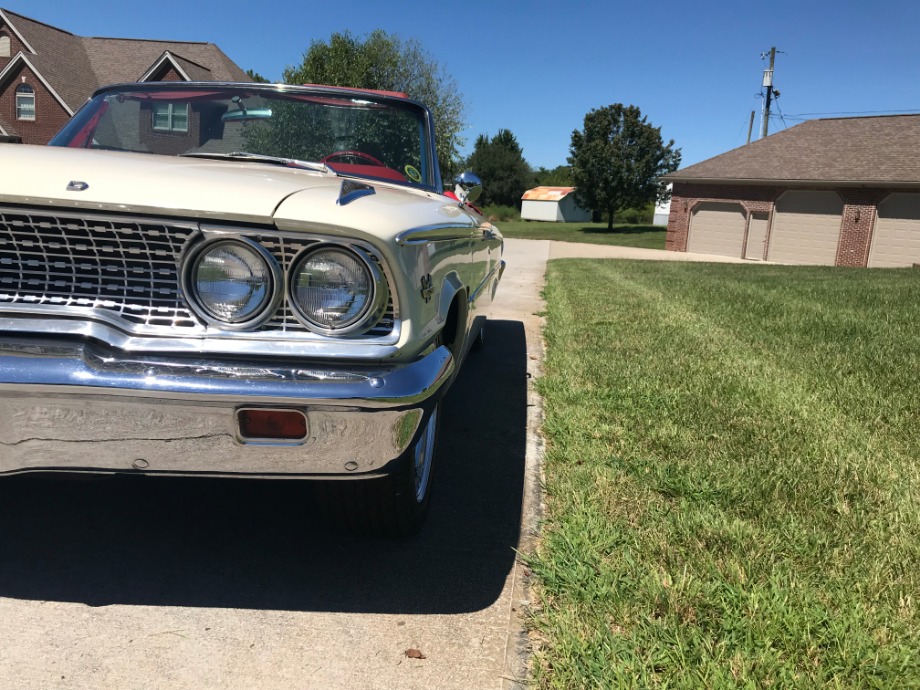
(258, 544)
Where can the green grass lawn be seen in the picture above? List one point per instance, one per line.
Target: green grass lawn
(733, 496)
(647, 236)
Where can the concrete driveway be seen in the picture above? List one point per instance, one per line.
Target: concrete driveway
(168, 583)
(133, 583)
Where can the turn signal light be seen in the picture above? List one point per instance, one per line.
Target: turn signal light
(283, 425)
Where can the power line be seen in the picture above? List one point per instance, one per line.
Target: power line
(802, 116)
(781, 116)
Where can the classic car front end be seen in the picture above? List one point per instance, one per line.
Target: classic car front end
(239, 280)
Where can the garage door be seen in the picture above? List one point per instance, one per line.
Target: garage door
(806, 228)
(717, 228)
(896, 239)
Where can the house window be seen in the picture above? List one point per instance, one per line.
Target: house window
(4, 46)
(170, 117)
(25, 102)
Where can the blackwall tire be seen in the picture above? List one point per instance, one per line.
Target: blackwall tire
(393, 506)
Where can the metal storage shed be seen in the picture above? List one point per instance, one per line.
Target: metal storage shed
(555, 204)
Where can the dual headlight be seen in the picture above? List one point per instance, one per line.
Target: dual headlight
(236, 284)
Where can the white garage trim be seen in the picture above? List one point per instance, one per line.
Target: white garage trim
(806, 228)
(896, 238)
(717, 228)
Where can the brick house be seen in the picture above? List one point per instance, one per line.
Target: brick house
(836, 192)
(47, 73)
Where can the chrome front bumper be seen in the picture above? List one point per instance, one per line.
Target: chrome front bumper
(80, 407)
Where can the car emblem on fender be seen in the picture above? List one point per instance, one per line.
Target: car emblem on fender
(77, 186)
(427, 287)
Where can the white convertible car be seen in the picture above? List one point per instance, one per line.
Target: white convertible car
(240, 280)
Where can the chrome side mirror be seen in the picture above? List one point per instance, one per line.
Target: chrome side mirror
(467, 187)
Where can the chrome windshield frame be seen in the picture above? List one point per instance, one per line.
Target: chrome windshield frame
(433, 184)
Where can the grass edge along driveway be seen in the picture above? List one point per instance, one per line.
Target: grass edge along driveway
(644, 236)
(731, 477)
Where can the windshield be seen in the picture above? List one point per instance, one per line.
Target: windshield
(363, 135)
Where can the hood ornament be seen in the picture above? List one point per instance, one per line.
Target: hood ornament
(351, 190)
(77, 186)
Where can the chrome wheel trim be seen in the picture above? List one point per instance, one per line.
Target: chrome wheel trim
(422, 456)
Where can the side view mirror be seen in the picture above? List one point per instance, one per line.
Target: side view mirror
(467, 187)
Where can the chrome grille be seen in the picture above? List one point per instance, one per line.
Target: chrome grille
(124, 268)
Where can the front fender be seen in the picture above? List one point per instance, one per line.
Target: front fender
(451, 286)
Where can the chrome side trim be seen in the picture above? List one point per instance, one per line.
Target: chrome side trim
(488, 232)
(495, 274)
(436, 233)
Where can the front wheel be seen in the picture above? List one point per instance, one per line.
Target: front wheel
(393, 506)
(423, 459)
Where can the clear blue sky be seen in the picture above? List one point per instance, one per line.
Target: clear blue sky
(692, 67)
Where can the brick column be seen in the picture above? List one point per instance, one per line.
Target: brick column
(860, 206)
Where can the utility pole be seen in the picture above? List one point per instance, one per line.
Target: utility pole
(750, 127)
(768, 85)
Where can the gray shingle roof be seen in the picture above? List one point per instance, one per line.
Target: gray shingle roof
(60, 58)
(864, 150)
(123, 59)
(75, 66)
(194, 71)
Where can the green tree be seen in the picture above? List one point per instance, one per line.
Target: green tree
(256, 77)
(560, 176)
(618, 160)
(500, 163)
(387, 62)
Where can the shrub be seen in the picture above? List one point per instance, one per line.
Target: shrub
(500, 213)
(631, 216)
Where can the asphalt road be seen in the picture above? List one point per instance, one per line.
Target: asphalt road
(177, 583)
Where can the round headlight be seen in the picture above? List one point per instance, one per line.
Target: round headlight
(333, 289)
(231, 282)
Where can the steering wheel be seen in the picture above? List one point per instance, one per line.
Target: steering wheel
(355, 154)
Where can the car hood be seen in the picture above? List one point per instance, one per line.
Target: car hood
(202, 189)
